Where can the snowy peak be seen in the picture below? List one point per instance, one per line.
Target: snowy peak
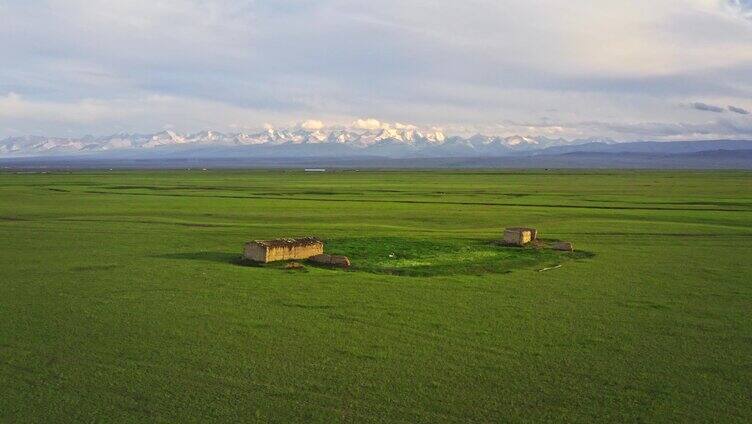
(519, 140)
(403, 140)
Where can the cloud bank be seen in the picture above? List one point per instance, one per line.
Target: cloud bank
(742, 7)
(707, 108)
(738, 110)
(550, 67)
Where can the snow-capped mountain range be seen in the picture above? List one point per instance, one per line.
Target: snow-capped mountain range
(388, 142)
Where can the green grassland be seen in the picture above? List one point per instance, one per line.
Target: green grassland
(123, 299)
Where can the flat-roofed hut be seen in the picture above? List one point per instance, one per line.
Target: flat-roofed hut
(283, 249)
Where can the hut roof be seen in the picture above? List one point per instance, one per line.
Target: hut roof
(288, 242)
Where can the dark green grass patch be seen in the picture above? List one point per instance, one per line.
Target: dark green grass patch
(434, 257)
(415, 257)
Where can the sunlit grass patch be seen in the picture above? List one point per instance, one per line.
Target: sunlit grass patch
(429, 257)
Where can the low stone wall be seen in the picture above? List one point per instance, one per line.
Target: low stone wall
(331, 260)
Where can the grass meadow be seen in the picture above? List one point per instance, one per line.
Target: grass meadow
(122, 297)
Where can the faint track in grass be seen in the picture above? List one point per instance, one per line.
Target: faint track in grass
(428, 202)
(17, 222)
(11, 218)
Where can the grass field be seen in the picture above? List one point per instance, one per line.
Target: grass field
(122, 298)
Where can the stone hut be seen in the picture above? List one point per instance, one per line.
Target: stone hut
(283, 249)
(520, 236)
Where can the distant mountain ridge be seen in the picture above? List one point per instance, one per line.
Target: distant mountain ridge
(652, 147)
(390, 142)
(337, 142)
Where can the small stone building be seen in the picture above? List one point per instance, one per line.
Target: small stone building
(520, 236)
(282, 249)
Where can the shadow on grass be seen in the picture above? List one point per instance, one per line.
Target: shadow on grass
(94, 268)
(226, 258)
(218, 257)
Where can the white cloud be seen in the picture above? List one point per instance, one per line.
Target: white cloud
(367, 124)
(312, 124)
(374, 124)
(401, 126)
(15, 107)
(147, 113)
(741, 7)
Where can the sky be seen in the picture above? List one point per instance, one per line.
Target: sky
(627, 70)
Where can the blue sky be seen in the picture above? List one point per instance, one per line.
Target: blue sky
(637, 69)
